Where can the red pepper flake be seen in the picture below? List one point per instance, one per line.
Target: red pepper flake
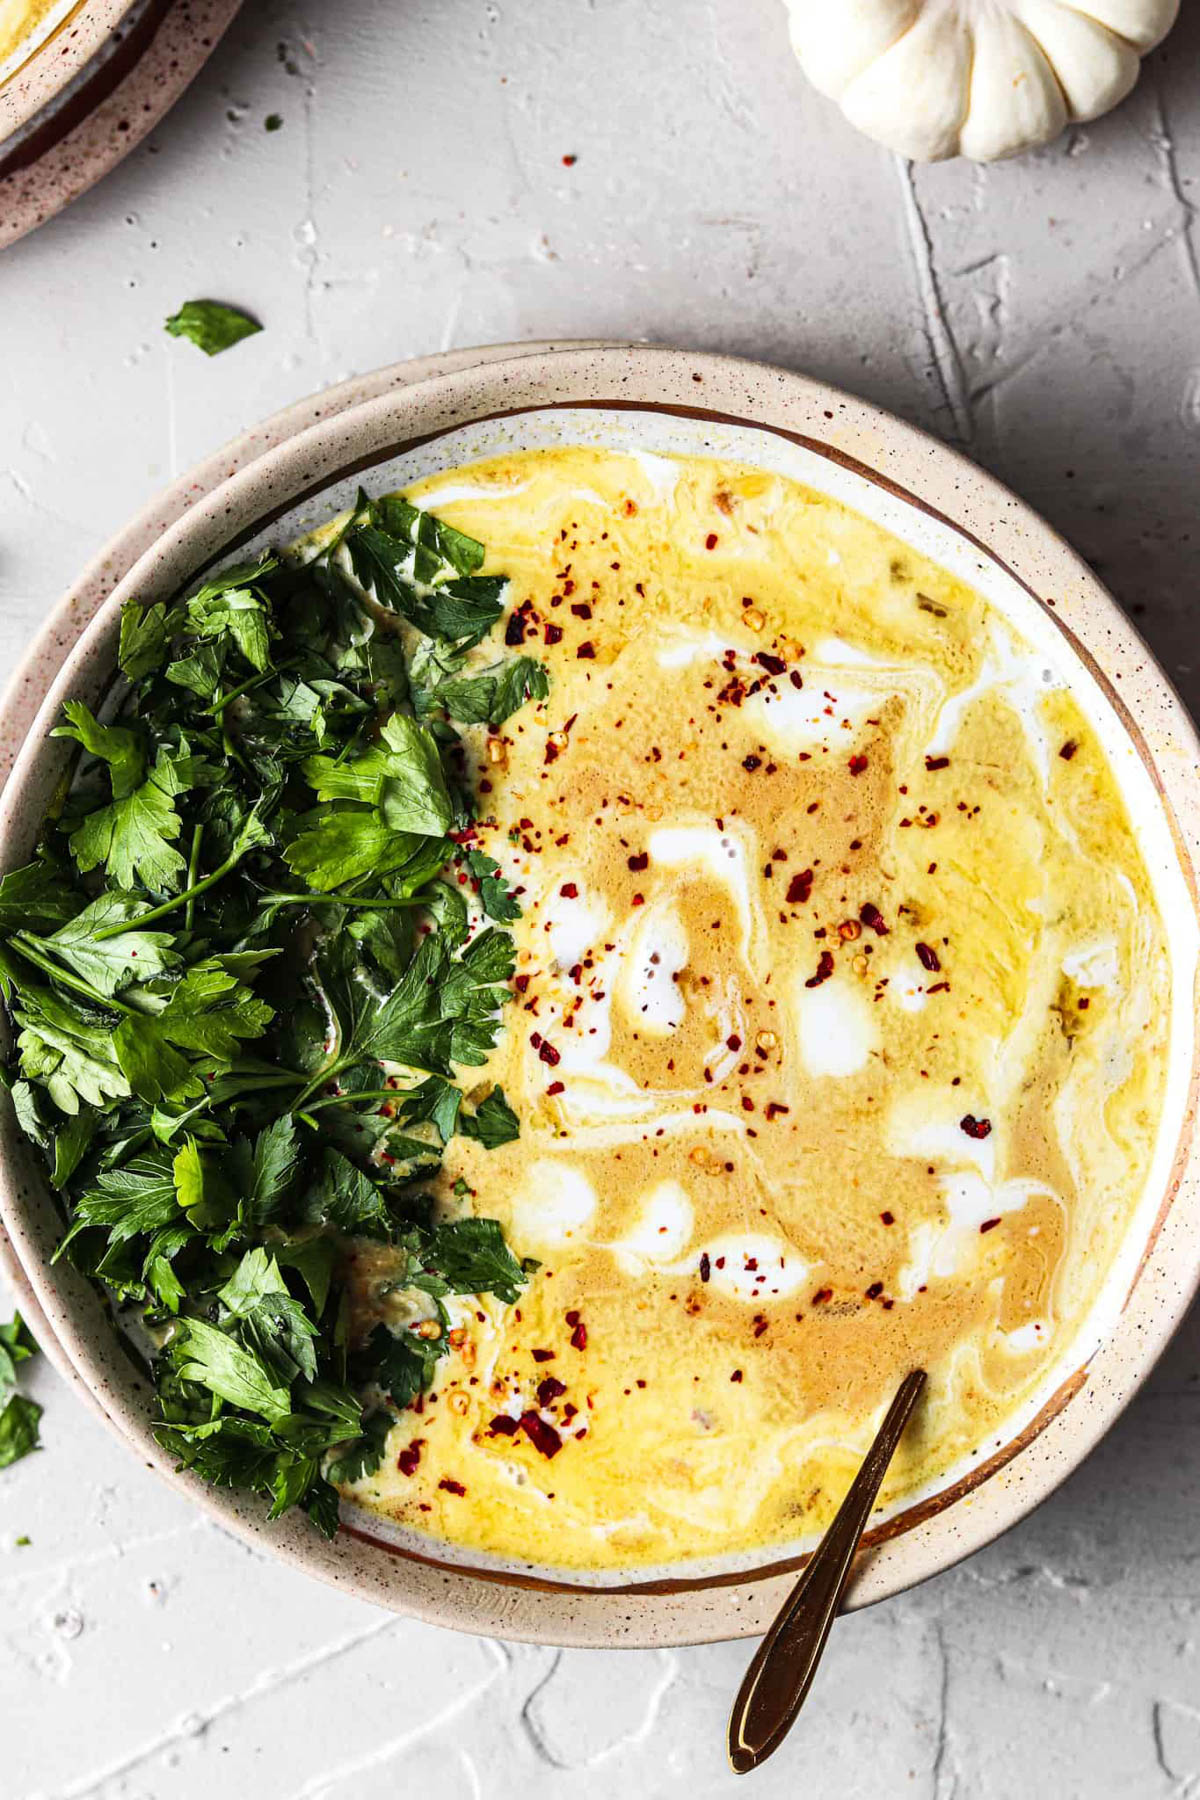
(736, 1376)
(871, 916)
(579, 1336)
(751, 763)
(522, 984)
(976, 1128)
(760, 1325)
(874, 1291)
(519, 622)
(556, 1087)
(888, 1218)
(989, 1225)
(796, 678)
(582, 610)
(552, 752)
(586, 652)
(821, 1296)
(638, 900)
(541, 1356)
(705, 1266)
(773, 1109)
(569, 890)
(570, 161)
(550, 1389)
(543, 1437)
(774, 665)
(554, 634)
(452, 1487)
(824, 971)
(638, 863)
(548, 1053)
(1068, 750)
(733, 1041)
(928, 958)
(857, 764)
(799, 888)
(572, 1318)
(711, 541)
(504, 1426)
(933, 763)
(409, 1457)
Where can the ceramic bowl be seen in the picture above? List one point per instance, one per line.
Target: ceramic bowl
(85, 87)
(665, 400)
(66, 42)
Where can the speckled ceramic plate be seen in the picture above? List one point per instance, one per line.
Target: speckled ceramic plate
(952, 512)
(89, 91)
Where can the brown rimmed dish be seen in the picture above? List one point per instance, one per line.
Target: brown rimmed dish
(663, 399)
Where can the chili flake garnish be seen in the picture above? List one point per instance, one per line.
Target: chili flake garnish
(541, 1435)
(824, 971)
(928, 958)
(976, 1128)
(409, 1457)
(799, 888)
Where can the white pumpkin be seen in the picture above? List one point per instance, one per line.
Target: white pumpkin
(977, 78)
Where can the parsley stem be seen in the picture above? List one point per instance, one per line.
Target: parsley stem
(366, 1094)
(169, 906)
(218, 706)
(193, 864)
(30, 950)
(383, 900)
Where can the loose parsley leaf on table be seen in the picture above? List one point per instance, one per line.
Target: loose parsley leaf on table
(236, 939)
(211, 325)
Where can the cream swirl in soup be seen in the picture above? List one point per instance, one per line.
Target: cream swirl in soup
(842, 992)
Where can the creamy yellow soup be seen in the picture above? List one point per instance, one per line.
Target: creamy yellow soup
(836, 1046)
(21, 21)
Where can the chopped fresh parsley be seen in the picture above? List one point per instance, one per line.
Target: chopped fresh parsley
(18, 1414)
(211, 326)
(255, 952)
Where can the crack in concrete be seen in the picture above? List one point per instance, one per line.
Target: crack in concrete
(1164, 144)
(1040, 342)
(355, 1767)
(938, 1790)
(943, 348)
(90, 1788)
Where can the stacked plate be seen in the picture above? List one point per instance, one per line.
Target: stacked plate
(81, 83)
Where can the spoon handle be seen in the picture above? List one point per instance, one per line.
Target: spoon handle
(778, 1679)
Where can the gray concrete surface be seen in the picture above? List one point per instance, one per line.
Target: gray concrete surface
(1046, 316)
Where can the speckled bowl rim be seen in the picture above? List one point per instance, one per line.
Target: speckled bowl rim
(57, 58)
(75, 123)
(938, 480)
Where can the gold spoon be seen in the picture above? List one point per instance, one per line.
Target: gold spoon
(778, 1680)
